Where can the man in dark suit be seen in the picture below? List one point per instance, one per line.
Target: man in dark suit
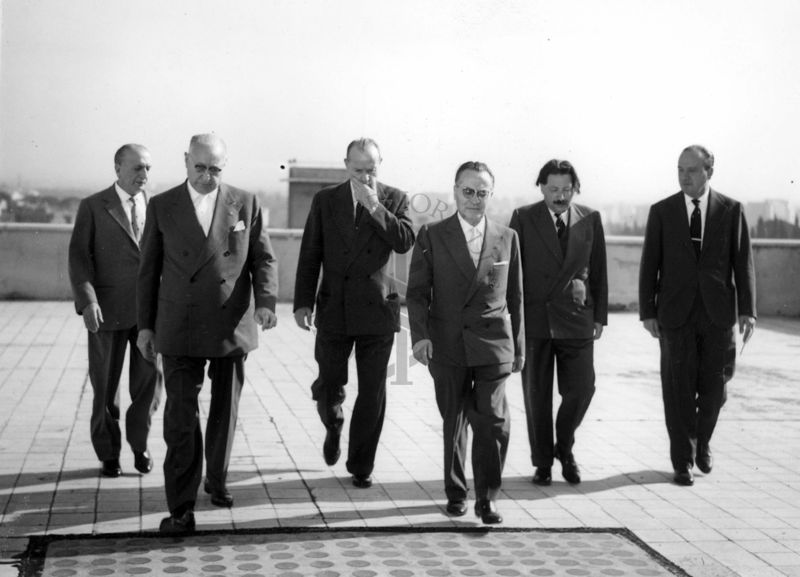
(103, 262)
(208, 276)
(566, 307)
(696, 273)
(465, 308)
(350, 233)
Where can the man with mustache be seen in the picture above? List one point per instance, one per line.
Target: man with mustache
(103, 262)
(566, 306)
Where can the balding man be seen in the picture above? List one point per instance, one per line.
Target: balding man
(103, 262)
(208, 277)
(696, 276)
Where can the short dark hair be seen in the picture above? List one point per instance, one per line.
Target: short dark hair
(476, 166)
(120, 153)
(706, 154)
(362, 144)
(555, 166)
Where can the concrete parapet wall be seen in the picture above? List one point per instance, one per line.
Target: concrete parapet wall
(33, 265)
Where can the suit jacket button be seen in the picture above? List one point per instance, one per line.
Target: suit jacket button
(491, 285)
(222, 281)
(226, 253)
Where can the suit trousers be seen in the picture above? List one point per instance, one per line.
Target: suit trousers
(332, 352)
(474, 396)
(183, 465)
(697, 361)
(106, 358)
(573, 360)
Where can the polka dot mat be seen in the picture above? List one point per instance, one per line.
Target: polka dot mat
(353, 553)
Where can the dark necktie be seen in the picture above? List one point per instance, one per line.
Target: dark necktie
(359, 212)
(561, 230)
(695, 228)
(134, 220)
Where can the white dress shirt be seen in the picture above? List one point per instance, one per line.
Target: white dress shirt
(204, 206)
(703, 206)
(474, 237)
(564, 217)
(141, 206)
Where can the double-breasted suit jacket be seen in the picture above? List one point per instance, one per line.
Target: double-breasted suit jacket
(197, 292)
(358, 292)
(473, 316)
(565, 294)
(670, 275)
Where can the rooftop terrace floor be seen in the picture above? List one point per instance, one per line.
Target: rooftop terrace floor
(742, 519)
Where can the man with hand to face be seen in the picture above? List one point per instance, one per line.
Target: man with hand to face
(103, 263)
(696, 273)
(566, 307)
(351, 231)
(465, 309)
(208, 277)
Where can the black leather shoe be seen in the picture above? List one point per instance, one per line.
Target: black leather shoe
(143, 462)
(182, 524)
(543, 476)
(487, 511)
(704, 461)
(684, 478)
(330, 448)
(569, 468)
(219, 497)
(362, 481)
(456, 508)
(111, 468)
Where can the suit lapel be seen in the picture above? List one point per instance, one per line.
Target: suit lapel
(716, 211)
(226, 211)
(574, 233)
(184, 216)
(490, 253)
(544, 227)
(457, 246)
(677, 213)
(342, 208)
(114, 208)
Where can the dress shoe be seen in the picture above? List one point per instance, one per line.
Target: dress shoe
(704, 461)
(111, 468)
(219, 497)
(330, 448)
(143, 462)
(456, 508)
(684, 478)
(487, 511)
(569, 468)
(362, 481)
(542, 476)
(182, 524)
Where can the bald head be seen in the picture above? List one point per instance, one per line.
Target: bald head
(205, 160)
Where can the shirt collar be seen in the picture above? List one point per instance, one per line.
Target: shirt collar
(554, 216)
(467, 227)
(124, 196)
(703, 202)
(196, 196)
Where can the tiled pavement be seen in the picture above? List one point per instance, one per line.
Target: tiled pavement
(743, 519)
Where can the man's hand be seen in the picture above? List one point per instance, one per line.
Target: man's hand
(302, 317)
(652, 327)
(746, 327)
(266, 318)
(92, 317)
(598, 330)
(423, 351)
(146, 343)
(366, 195)
(519, 362)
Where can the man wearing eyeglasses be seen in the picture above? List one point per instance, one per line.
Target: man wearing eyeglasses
(566, 308)
(350, 233)
(208, 276)
(465, 309)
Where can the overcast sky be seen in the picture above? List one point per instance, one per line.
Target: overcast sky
(616, 86)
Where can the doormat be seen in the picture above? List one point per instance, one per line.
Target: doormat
(373, 552)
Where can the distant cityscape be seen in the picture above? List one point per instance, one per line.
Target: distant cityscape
(770, 218)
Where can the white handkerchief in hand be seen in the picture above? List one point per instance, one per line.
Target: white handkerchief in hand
(238, 226)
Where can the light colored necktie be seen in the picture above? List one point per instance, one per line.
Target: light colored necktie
(474, 245)
(137, 233)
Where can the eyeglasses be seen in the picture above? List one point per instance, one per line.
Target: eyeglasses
(212, 170)
(472, 193)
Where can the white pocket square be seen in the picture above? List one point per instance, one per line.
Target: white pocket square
(238, 226)
(501, 263)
